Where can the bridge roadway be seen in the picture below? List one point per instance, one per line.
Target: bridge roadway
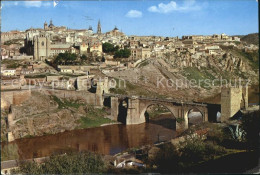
(157, 99)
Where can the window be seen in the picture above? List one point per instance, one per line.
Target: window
(42, 43)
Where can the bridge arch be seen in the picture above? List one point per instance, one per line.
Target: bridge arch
(194, 115)
(200, 114)
(169, 108)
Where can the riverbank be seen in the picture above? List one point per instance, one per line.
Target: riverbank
(44, 114)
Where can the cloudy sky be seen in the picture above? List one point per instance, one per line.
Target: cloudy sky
(140, 17)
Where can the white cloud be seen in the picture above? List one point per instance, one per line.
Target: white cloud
(188, 5)
(134, 14)
(9, 3)
(27, 4)
(36, 4)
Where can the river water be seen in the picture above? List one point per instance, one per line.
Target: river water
(109, 139)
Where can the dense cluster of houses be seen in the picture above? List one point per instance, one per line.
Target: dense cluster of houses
(39, 44)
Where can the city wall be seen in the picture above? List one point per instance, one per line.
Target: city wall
(13, 97)
(87, 97)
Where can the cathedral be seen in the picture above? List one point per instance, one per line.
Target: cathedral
(51, 26)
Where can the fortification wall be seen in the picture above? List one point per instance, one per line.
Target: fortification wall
(13, 97)
(86, 96)
(21, 96)
(232, 100)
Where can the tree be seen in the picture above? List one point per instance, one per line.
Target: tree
(83, 57)
(122, 53)
(108, 47)
(65, 58)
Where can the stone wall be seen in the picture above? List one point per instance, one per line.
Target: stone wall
(87, 97)
(114, 108)
(13, 97)
(232, 100)
(133, 113)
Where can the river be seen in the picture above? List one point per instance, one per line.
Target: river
(110, 139)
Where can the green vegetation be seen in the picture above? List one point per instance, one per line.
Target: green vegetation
(72, 163)
(94, 118)
(109, 48)
(179, 120)
(122, 53)
(190, 153)
(251, 57)
(199, 76)
(39, 75)
(65, 59)
(143, 64)
(155, 111)
(252, 38)
(218, 147)
(126, 88)
(12, 63)
(9, 152)
(66, 103)
(13, 41)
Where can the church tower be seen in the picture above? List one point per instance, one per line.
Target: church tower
(45, 26)
(99, 27)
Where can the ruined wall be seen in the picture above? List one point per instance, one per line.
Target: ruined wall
(86, 96)
(232, 100)
(102, 87)
(13, 97)
(21, 96)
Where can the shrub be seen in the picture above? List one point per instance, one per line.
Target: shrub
(166, 159)
(73, 163)
(196, 150)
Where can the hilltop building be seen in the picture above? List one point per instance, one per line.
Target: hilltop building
(99, 28)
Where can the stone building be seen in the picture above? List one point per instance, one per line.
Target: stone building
(115, 32)
(12, 35)
(41, 47)
(140, 53)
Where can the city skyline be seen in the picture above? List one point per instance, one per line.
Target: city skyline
(160, 18)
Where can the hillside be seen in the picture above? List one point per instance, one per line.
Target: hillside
(188, 78)
(252, 38)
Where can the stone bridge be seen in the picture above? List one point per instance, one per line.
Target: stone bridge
(131, 110)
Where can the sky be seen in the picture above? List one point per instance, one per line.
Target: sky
(137, 17)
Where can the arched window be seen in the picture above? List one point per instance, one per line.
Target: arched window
(42, 43)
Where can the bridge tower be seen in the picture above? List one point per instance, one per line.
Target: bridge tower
(102, 88)
(232, 100)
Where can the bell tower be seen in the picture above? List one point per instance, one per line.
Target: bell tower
(99, 27)
(45, 26)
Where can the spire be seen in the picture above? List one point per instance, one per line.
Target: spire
(99, 27)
